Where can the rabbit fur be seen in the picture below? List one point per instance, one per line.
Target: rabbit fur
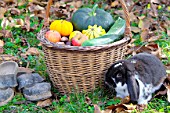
(138, 77)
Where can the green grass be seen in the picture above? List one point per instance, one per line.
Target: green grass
(76, 103)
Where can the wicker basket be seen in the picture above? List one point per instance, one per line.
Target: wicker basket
(82, 69)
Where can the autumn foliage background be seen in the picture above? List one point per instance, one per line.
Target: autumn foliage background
(21, 20)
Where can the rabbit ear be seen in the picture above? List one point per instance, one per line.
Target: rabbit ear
(133, 87)
(132, 84)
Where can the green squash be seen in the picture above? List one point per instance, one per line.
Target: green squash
(84, 17)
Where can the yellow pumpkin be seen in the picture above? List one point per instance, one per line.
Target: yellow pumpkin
(62, 26)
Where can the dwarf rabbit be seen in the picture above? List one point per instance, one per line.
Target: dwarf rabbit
(138, 77)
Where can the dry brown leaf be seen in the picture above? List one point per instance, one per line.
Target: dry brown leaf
(32, 51)
(23, 55)
(1, 43)
(144, 35)
(168, 93)
(2, 3)
(119, 110)
(97, 109)
(141, 17)
(130, 107)
(120, 13)
(25, 70)
(168, 31)
(17, 23)
(164, 92)
(15, 11)
(106, 111)
(125, 100)
(4, 23)
(135, 29)
(141, 107)
(1, 50)
(167, 83)
(76, 4)
(115, 3)
(44, 103)
(5, 57)
(153, 38)
(9, 1)
(155, 1)
(132, 17)
(2, 12)
(122, 108)
(88, 101)
(6, 33)
(154, 9)
(27, 22)
(144, 24)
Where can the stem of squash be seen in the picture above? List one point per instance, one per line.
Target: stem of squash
(94, 9)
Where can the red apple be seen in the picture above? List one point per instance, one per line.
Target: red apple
(53, 36)
(78, 39)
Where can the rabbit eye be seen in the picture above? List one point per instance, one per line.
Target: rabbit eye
(119, 75)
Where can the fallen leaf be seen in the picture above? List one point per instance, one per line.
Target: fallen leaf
(164, 92)
(6, 33)
(2, 3)
(132, 17)
(32, 51)
(141, 107)
(168, 93)
(155, 1)
(1, 43)
(17, 23)
(4, 23)
(68, 99)
(76, 4)
(120, 13)
(44, 103)
(14, 11)
(25, 70)
(9, 1)
(1, 50)
(115, 3)
(144, 24)
(144, 35)
(153, 38)
(167, 85)
(119, 110)
(154, 8)
(88, 101)
(125, 100)
(27, 22)
(135, 29)
(2, 12)
(5, 57)
(168, 31)
(97, 109)
(122, 108)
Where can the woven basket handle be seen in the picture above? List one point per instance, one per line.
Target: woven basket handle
(125, 10)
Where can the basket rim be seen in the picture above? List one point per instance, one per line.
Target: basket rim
(45, 42)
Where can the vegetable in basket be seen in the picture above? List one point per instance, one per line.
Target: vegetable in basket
(53, 36)
(114, 34)
(84, 17)
(94, 31)
(62, 26)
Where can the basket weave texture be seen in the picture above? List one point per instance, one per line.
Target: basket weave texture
(81, 69)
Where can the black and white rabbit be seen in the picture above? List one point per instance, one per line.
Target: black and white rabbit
(138, 77)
